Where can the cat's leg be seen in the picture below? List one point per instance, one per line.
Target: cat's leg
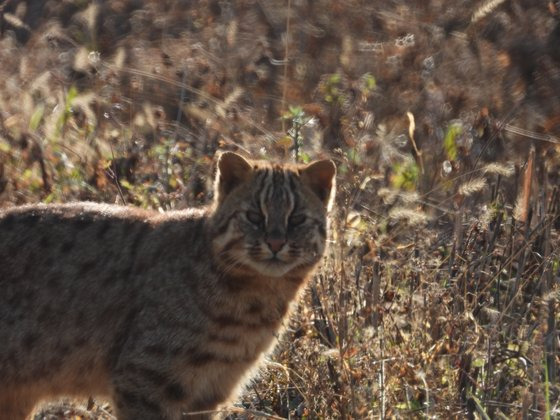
(132, 403)
(144, 393)
(145, 388)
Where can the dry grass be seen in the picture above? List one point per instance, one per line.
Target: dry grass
(439, 296)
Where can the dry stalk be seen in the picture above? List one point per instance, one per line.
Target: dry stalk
(286, 52)
(525, 201)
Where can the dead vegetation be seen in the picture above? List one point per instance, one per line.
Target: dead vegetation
(439, 297)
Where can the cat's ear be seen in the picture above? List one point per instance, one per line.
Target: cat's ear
(232, 170)
(319, 176)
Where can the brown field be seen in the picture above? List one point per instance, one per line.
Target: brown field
(439, 296)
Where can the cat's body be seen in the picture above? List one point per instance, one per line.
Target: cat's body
(162, 313)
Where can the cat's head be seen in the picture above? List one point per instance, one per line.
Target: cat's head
(270, 219)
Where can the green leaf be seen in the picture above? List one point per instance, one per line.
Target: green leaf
(296, 111)
(449, 143)
(305, 158)
(125, 184)
(70, 96)
(5, 146)
(50, 198)
(334, 79)
(27, 174)
(37, 117)
(369, 82)
(285, 142)
(405, 175)
(478, 362)
(353, 156)
(63, 119)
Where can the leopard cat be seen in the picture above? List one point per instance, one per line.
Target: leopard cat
(164, 314)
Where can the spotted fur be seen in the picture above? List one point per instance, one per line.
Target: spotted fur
(162, 313)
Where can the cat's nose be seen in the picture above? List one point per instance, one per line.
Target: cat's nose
(275, 244)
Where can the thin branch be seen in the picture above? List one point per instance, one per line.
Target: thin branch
(286, 51)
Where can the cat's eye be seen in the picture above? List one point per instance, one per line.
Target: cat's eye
(296, 219)
(254, 217)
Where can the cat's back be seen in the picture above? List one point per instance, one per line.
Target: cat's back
(18, 219)
(70, 242)
(51, 235)
(21, 220)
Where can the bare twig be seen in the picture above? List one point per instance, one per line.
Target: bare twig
(286, 51)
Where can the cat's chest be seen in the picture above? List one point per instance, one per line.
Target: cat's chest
(224, 358)
(237, 344)
(242, 325)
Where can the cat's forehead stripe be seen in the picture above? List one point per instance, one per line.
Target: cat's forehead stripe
(294, 190)
(264, 191)
(261, 182)
(280, 197)
(289, 193)
(275, 188)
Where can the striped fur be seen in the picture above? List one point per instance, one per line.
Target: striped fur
(162, 313)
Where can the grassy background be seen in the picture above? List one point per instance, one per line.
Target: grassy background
(439, 295)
